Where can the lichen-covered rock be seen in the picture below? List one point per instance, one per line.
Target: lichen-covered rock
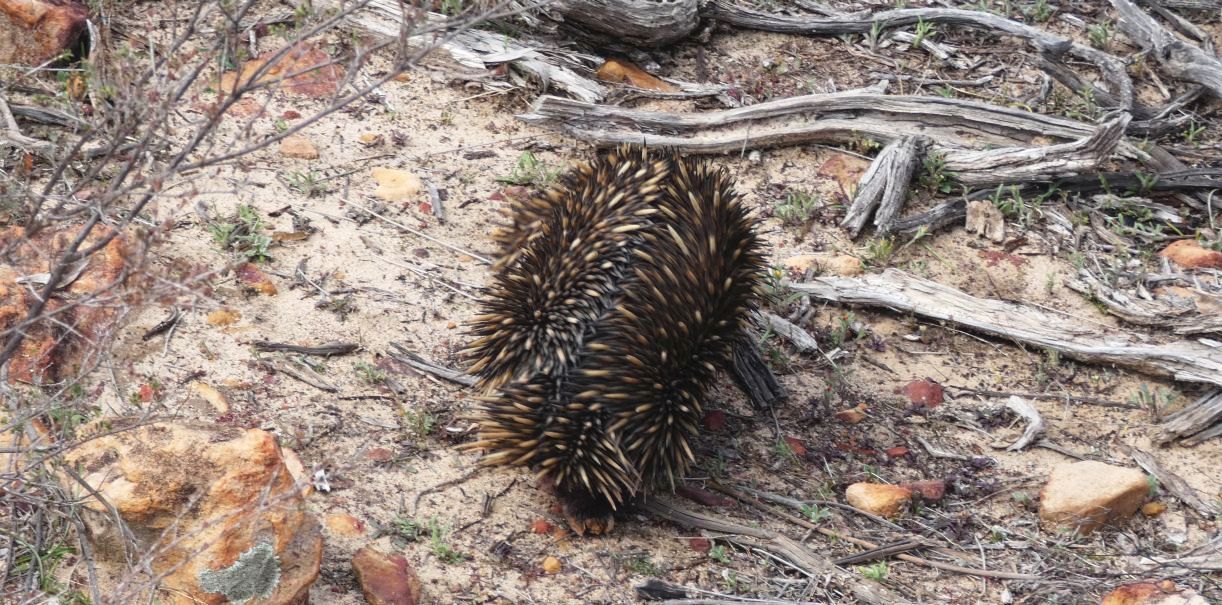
(219, 506)
(1082, 496)
(35, 31)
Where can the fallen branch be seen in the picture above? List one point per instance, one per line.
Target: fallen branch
(405, 355)
(1178, 314)
(1112, 68)
(1037, 164)
(1193, 422)
(832, 117)
(325, 350)
(1187, 360)
(1176, 485)
(1179, 58)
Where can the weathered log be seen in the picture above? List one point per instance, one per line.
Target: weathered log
(473, 53)
(1193, 422)
(642, 23)
(1179, 58)
(1187, 360)
(1179, 315)
(955, 125)
(1037, 164)
(884, 186)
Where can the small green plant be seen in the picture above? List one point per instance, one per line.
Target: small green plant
(451, 8)
(309, 184)
(530, 171)
(816, 513)
(934, 176)
(844, 329)
(923, 29)
(370, 373)
(642, 564)
(1014, 206)
(423, 423)
(1041, 11)
(876, 30)
(784, 452)
(1193, 132)
(1156, 401)
(1100, 35)
(443, 551)
(879, 251)
(720, 554)
(798, 208)
(945, 91)
(244, 233)
(281, 125)
(408, 529)
(876, 572)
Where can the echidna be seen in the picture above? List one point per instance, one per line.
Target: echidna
(623, 290)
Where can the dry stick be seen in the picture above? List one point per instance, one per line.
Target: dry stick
(444, 484)
(406, 356)
(794, 553)
(1175, 484)
(1181, 59)
(1192, 421)
(1049, 396)
(419, 233)
(1194, 361)
(1112, 68)
(325, 350)
(984, 573)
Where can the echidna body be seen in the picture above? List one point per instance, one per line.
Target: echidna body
(602, 332)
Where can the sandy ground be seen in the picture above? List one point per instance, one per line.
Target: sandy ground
(381, 447)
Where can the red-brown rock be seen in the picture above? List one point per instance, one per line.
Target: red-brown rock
(35, 31)
(386, 579)
(51, 349)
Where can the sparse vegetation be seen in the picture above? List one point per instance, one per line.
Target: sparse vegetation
(530, 171)
(243, 234)
(798, 208)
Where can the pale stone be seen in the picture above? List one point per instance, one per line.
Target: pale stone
(297, 146)
(396, 185)
(1082, 496)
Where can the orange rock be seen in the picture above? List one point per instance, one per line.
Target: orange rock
(1153, 509)
(552, 565)
(1085, 495)
(386, 579)
(1189, 254)
(852, 415)
(241, 529)
(343, 524)
(254, 278)
(35, 31)
(223, 317)
(49, 348)
(214, 397)
(317, 74)
(297, 146)
(617, 70)
(881, 499)
(845, 169)
(1150, 593)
